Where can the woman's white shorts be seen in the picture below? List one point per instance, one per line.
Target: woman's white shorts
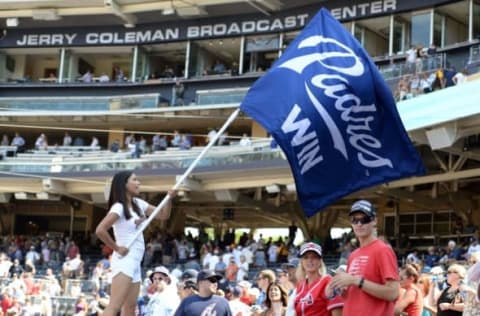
(128, 266)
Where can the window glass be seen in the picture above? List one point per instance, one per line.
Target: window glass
(421, 29)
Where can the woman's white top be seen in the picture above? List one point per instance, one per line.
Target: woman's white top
(124, 229)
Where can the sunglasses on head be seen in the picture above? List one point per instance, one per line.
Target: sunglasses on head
(361, 220)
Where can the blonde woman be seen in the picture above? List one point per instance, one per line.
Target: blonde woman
(311, 299)
(449, 302)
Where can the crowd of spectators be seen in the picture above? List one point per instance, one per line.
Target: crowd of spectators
(412, 85)
(137, 145)
(423, 73)
(37, 272)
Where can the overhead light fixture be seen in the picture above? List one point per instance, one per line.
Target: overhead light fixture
(191, 11)
(274, 188)
(168, 11)
(20, 195)
(42, 195)
(291, 187)
(45, 14)
(12, 22)
(129, 25)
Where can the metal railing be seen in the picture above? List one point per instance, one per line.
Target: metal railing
(93, 103)
(396, 70)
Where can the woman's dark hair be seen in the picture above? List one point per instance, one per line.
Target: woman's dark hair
(284, 294)
(118, 193)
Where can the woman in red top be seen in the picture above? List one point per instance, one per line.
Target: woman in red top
(310, 299)
(410, 301)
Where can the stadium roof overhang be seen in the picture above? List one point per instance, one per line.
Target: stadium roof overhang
(49, 13)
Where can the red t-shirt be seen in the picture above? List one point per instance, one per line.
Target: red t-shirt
(246, 299)
(377, 263)
(310, 299)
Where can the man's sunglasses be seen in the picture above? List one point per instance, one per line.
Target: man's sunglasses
(213, 280)
(361, 220)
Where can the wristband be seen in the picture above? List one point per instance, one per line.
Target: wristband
(360, 284)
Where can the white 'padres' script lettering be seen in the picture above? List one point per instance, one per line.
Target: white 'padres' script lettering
(335, 86)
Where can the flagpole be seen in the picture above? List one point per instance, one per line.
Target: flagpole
(167, 198)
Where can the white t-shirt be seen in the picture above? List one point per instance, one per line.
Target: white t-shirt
(124, 230)
(238, 307)
(242, 271)
(460, 78)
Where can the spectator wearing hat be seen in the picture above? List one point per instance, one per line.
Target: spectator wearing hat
(205, 302)
(313, 280)
(164, 301)
(237, 306)
(189, 274)
(371, 284)
(187, 288)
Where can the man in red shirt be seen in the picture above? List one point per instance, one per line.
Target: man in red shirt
(371, 284)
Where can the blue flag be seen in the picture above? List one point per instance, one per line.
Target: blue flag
(331, 112)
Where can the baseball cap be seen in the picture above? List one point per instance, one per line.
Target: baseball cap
(291, 264)
(189, 274)
(189, 285)
(281, 270)
(237, 291)
(160, 269)
(208, 274)
(310, 246)
(245, 284)
(364, 207)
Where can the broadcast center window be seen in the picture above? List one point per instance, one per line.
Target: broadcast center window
(401, 30)
(164, 61)
(102, 62)
(260, 52)
(421, 28)
(373, 34)
(438, 29)
(38, 65)
(218, 56)
(455, 24)
(476, 19)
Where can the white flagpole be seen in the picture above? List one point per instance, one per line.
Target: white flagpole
(144, 224)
